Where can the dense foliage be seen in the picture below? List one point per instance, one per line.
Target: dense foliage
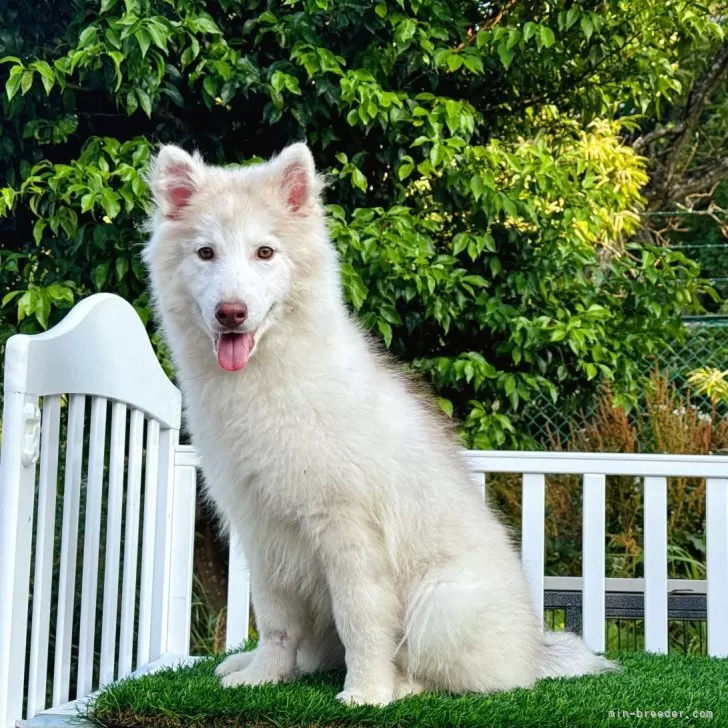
(483, 193)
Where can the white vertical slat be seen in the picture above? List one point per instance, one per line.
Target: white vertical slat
(113, 543)
(131, 542)
(593, 558)
(478, 480)
(69, 545)
(151, 474)
(17, 495)
(183, 538)
(238, 601)
(532, 537)
(92, 536)
(716, 528)
(656, 564)
(45, 530)
(168, 440)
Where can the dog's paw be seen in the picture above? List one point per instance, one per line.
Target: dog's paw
(234, 663)
(375, 696)
(255, 674)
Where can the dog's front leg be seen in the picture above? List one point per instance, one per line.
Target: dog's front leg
(279, 621)
(366, 611)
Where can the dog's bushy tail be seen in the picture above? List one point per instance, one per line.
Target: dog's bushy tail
(566, 655)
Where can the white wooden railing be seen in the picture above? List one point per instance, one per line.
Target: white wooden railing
(120, 401)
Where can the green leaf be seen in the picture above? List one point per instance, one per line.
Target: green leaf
(587, 26)
(505, 54)
(100, 274)
(445, 406)
(404, 171)
(386, 330)
(59, 293)
(110, 203)
(107, 5)
(46, 73)
(38, 230)
(42, 309)
(207, 25)
(475, 280)
(381, 10)
(144, 40)
(358, 179)
(26, 81)
(122, 266)
(9, 297)
(144, 101)
(13, 83)
(547, 36)
(158, 35)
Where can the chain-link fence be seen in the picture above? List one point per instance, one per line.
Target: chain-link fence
(706, 345)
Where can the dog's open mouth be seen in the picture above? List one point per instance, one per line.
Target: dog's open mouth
(233, 350)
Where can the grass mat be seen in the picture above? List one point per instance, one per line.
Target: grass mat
(692, 690)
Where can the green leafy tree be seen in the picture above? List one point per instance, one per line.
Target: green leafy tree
(482, 195)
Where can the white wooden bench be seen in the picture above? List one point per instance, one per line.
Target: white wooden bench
(94, 379)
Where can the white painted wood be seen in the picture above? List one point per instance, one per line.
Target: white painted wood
(182, 546)
(17, 494)
(45, 530)
(100, 348)
(187, 455)
(69, 547)
(131, 542)
(92, 536)
(716, 527)
(168, 441)
(655, 557)
(578, 463)
(151, 474)
(238, 601)
(593, 561)
(532, 536)
(109, 618)
(674, 586)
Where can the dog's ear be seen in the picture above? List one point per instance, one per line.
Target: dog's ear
(295, 173)
(174, 179)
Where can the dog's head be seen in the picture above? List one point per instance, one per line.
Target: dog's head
(232, 248)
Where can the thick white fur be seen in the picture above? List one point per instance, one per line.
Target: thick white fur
(365, 537)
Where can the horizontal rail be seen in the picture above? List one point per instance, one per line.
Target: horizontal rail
(579, 463)
(674, 586)
(570, 463)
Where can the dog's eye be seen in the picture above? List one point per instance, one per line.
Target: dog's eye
(206, 253)
(265, 252)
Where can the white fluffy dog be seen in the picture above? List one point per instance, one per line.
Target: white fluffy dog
(367, 542)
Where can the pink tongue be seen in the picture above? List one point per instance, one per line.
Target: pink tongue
(233, 351)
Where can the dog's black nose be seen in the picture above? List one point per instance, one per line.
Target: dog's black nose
(231, 314)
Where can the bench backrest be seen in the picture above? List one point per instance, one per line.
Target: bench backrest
(88, 491)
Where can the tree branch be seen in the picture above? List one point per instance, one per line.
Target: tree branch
(699, 182)
(646, 139)
(698, 99)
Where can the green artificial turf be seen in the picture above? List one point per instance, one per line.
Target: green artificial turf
(192, 696)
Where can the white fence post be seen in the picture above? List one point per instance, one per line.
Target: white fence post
(532, 536)
(182, 546)
(238, 601)
(17, 493)
(593, 556)
(655, 564)
(716, 530)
